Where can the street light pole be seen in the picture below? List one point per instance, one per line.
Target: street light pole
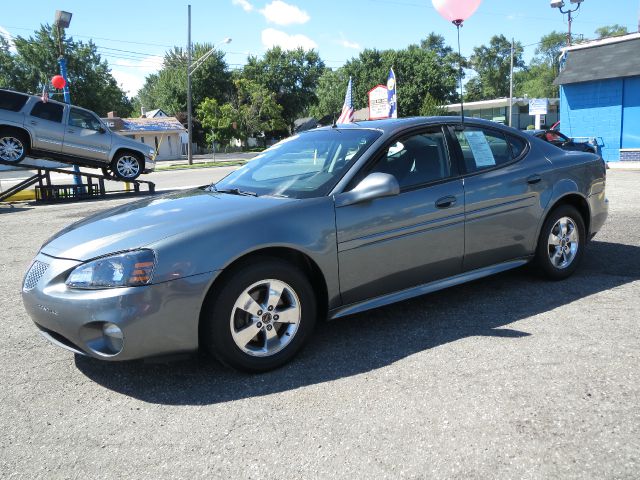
(559, 4)
(189, 119)
(62, 21)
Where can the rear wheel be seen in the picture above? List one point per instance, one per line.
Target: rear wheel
(261, 316)
(13, 146)
(561, 243)
(127, 166)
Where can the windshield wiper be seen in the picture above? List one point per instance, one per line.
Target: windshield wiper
(234, 191)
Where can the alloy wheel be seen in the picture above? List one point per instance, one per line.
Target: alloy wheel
(265, 318)
(563, 243)
(128, 166)
(11, 149)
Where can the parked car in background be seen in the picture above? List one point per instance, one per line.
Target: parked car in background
(559, 139)
(30, 126)
(327, 223)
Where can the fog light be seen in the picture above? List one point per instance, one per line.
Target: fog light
(113, 337)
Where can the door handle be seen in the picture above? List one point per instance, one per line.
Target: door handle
(71, 131)
(534, 179)
(446, 202)
(33, 122)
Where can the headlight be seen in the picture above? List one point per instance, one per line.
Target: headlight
(130, 269)
(152, 152)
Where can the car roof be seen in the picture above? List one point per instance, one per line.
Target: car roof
(393, 125)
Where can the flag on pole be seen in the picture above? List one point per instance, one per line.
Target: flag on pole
(45, 93)
(391, 95)
(347, 109)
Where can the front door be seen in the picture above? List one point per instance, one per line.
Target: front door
(389, 244)
(46, 122)
(85, 136)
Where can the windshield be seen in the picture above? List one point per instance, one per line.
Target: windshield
(307, 165)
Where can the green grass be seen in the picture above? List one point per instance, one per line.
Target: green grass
(186, 166)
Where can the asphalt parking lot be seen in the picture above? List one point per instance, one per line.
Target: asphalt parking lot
(508, 377)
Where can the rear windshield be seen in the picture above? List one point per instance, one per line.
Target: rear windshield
(12, 101)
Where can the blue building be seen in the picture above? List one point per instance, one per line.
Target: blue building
(600, 95)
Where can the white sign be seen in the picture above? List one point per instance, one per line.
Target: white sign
(480, 148)
(378, 103)
(538, 106)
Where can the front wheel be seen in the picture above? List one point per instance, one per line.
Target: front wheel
(561, 243)
(260, 317)
(13, 147)
(127, 166)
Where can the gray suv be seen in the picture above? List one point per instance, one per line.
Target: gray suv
(54, 130)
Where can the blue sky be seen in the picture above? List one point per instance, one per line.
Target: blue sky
(132, 35)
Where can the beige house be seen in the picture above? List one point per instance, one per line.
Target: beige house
(166, 134)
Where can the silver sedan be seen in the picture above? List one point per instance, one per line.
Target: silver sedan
(325, 224)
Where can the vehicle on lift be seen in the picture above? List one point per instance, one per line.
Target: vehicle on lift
(30, 126)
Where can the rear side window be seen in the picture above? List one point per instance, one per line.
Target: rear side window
(48, 111)
(517, 145)
(12, 101)
(483, 149)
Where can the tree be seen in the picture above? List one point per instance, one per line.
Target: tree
(331, 91)
(36, 60)
(536, 80)
(492, 65)
(253, 111)
(217, 121)
(419, 72)
(291, 74)
(611, 31)
(168, 88)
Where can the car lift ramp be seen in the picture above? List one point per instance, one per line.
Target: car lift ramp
(92, 186)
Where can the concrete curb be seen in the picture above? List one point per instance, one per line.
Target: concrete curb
(626, 165)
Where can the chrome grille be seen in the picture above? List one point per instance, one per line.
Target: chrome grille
(34, 275)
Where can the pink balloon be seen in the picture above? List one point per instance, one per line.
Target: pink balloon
(453, 10)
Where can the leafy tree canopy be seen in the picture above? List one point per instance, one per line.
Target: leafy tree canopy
(90, 80)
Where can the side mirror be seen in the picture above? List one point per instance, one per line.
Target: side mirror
(102, 130)
(374, 185)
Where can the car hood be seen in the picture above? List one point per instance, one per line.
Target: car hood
(141, 223)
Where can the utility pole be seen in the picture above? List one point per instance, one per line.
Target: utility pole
(189, 119)
(511, 84)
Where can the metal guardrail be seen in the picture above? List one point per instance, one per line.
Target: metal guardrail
(92, 186)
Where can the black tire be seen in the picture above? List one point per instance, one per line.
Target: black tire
(18, 140)
(127, 165)
(544, 251)
(216, 320)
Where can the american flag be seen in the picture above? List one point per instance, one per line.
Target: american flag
(45, 93)
(347, 109)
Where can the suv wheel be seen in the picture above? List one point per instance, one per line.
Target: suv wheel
(13, 147)
(561, 243)
(260, 317)
(127, 166)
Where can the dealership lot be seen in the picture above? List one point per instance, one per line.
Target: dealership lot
(508, 377)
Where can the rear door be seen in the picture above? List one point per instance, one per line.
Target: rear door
(504, 195)
(45, 120)
(85, 136)
(392, 243)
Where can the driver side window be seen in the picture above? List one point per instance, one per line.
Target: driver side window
(416, 160)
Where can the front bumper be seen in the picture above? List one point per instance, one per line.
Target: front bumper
(149, 164)
(157, 319)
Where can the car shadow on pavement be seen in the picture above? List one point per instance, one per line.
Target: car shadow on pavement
(375, 339)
